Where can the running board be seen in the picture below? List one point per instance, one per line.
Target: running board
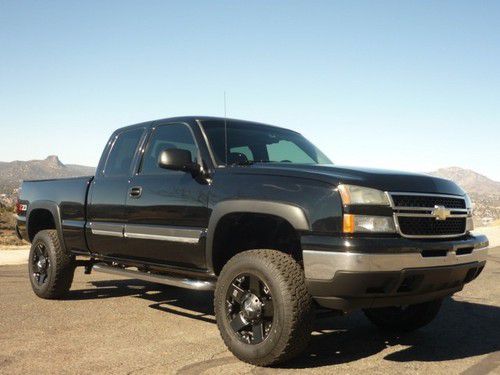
(155, 278)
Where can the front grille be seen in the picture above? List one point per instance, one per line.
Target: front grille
(427, 201)
(429, 226)
(417, 215)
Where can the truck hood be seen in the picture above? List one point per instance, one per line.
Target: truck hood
(381, 179)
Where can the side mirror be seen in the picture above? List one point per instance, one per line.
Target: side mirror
(177, 160)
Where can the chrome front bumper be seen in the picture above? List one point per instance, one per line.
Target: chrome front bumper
(351, 273)
(323, 265)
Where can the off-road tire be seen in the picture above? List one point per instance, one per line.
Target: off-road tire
(406, 319)
(61, 270)
(293, 318)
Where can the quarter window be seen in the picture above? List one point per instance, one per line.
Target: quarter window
(122, 153)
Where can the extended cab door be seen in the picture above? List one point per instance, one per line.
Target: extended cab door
(167, 210)
(108, 193)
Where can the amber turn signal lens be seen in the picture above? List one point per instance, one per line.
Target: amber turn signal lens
(348, 223)
(344, 194)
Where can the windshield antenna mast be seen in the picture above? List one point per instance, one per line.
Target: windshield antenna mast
(225, 128)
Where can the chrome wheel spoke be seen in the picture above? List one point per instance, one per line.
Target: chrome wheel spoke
(238, 323)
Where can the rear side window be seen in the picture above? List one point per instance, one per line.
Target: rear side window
(122, 153)
(165, 137)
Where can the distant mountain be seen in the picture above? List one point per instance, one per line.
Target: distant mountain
(13, 173)
(484, 192)
(470, 181)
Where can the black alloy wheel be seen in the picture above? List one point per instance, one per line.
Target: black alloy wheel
(40, 263)
(263, 308)
(50, 267)
(250, 308)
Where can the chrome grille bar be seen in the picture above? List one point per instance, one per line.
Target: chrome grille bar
(427, 212)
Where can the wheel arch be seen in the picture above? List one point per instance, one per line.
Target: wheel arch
(43, 215)
(293, 215)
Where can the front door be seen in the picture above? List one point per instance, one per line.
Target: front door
(167, 210)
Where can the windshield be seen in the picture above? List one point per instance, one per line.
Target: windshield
(254, 143)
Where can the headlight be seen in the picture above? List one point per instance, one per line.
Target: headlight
(368, 224)
(361, 195)
(359, 223)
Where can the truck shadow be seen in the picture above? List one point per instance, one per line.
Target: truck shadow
(461, 330)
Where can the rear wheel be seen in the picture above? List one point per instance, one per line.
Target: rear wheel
(404, 318)
(51, 269)
(264, 311)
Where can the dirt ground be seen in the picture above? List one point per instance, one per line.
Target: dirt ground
(111, 325)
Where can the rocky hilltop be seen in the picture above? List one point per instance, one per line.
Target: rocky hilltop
(484, 192)
(13, 173)
(470, 181)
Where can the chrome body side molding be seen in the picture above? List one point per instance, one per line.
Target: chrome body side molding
(106, 229)
(161, 233)
(147, 232)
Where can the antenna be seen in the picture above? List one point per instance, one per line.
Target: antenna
(225, 128)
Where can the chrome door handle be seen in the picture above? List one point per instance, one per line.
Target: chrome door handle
(135, 192)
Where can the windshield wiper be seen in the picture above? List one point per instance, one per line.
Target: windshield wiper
(250, 162)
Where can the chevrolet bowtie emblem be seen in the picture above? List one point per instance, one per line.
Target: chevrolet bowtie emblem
(440, 212)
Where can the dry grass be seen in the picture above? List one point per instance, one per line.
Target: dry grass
(7, 232)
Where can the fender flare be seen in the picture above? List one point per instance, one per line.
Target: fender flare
(295, 215)
(53, 208)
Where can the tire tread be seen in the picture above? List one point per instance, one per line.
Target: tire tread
(63, 270)
(299, 314)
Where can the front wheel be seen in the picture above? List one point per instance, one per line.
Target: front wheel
(404, 318)
(263, 309)
(51, 269)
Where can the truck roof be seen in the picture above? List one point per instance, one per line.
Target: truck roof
(199, 118)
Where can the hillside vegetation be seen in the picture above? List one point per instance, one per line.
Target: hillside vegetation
(7, 223)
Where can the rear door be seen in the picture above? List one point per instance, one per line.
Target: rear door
(168, 212)
(106, 208)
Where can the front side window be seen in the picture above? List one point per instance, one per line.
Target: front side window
(253, 143)
(288, 152)
(122, 153)
(167, 137)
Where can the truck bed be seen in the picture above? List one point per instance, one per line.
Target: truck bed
(67, 197)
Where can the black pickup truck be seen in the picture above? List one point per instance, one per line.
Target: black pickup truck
(260, 215)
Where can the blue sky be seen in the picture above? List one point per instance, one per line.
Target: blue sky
(391, 84)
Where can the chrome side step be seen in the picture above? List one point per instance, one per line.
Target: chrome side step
(155, 278)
